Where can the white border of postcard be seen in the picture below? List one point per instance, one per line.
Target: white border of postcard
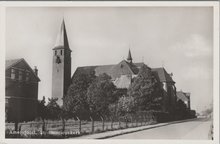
(214, 4)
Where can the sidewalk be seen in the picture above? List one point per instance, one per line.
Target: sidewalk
(108, 134)
(203, 130)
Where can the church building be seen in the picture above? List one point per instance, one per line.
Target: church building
(121, 73)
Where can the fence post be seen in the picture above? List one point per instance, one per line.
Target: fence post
(16, 126)
(63, 126)
(136, 120)
(92, 125)
(43, 126)
(19, 128)
(126, 122)
(131, 121)
(103, 124)
(79, 124)
(151, 119)
(43, 129)
(119, 123)
(145, 120)
(141, 120)
(111, 123)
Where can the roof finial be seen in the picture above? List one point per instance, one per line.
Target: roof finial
(129, 59)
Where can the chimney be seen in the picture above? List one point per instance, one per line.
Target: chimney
(35, 70)
(171, 74)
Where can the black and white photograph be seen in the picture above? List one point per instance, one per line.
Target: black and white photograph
(110, 72)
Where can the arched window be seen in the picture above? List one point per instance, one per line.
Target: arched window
(58, 60)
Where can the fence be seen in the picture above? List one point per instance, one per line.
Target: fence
(72, 128)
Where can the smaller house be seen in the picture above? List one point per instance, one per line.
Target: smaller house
(21, 91)
(185, 97)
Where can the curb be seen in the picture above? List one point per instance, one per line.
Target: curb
(129, 130)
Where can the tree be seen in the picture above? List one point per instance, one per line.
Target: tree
(146, 91)
(181, 110)
(126, 105)
(100, 94)
(57, 112)
(75, 101)
(42, 109)
(53, 109)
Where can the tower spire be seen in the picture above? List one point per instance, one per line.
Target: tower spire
(62, 40)
(129, 58)
(61, 70)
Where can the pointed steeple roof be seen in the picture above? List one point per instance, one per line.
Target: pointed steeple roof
(62, 40)
(129, 58)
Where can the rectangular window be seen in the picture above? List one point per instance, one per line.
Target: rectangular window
(12, 73)
(16, 74)
(20, 75)
(27, 76)
(61, 52)
(55, 52)
(6, 101)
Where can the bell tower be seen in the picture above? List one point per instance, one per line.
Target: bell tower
(61, 72)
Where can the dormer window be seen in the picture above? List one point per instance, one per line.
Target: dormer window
(12, 73)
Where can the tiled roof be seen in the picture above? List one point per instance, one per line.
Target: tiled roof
(115, 71)
(182, 96)
(11, 62)
(123, 82)
(125, 68)
(162, 75)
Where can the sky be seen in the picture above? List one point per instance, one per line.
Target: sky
(178, 39)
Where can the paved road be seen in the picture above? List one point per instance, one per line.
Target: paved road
(196, 129)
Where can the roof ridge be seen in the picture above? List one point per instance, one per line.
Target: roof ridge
(95, 65)
(129, 66)
(19, 60)
(15, 62)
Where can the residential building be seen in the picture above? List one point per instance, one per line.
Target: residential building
(184, 97)
(21, 90)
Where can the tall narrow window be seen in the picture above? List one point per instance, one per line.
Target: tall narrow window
(55, 52)
(61, 52)
(27, 76)
(20, 75)
(12, 73)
